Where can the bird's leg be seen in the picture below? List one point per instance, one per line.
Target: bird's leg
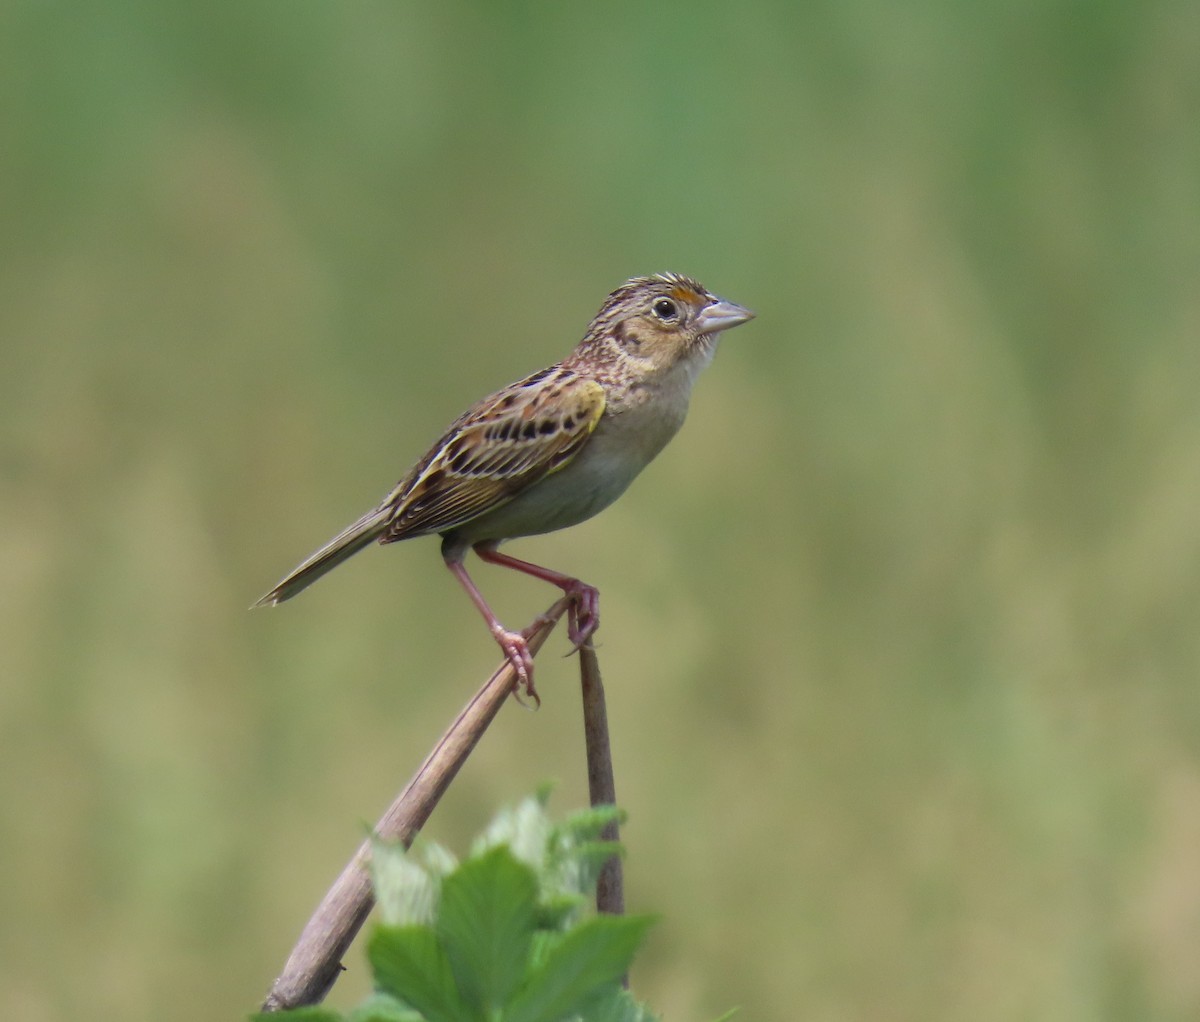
(514, 644)
(584, 616)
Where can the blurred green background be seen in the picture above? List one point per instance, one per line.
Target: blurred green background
(900, 635)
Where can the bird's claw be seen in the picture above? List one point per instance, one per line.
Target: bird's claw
(516, 651)
(583, 618)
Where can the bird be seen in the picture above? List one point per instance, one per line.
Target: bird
(549, 451)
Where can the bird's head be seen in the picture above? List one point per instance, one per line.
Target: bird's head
(657, 322)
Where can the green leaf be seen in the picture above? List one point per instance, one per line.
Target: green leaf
(577, 967)
(437, 859)
(557, 911)
(380, 1007)
(406, 892)
(411, 964)
(486, 923)
(306, 1013)
(525, 828)
(577, 871)
(614, 1005)
(576, 852)
(588, 824)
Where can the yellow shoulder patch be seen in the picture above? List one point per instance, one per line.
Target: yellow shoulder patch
(592, 400)
(586, 409)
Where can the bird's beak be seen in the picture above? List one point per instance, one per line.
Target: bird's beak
(721, 315)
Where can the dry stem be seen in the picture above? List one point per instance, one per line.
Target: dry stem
(315, 961)
(602, 788)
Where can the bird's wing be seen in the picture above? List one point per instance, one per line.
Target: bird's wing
(504, 444)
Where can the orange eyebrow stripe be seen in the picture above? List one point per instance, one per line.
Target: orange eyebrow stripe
(684, 294)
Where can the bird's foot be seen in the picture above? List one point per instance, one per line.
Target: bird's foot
(583, 618)
(516, 650)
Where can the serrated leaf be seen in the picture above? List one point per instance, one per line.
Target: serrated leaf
(575, 871)
(410, 963)
(575, 969)
(486, 923)
(437, 859)
(587, 824)
(406, 892)
(525, 828)
(576, 852)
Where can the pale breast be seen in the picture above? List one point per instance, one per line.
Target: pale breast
(626, 440)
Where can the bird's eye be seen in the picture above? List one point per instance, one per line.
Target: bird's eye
(666, 310)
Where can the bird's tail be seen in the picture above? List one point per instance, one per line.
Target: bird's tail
(345, 544)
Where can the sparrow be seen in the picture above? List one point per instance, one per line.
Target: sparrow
(549, 451)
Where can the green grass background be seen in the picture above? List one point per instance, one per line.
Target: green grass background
(901, 635)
